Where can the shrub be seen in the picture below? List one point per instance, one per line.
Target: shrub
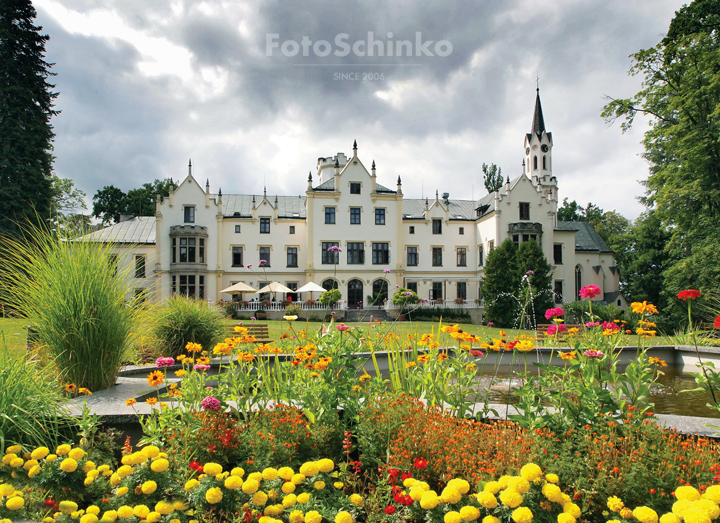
(31, 404)
(293, 310)
(330, 297)
(71, 290)
(435, 313)
(182, 320)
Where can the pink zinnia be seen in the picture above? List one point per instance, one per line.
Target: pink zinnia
(590, 291)
(552, 329)
(200, 366)
(342, 327)
(164, 362)
(593, 353)
(592, 324)
(210, 403)
(556, 311)
(477, 353)
(608, 325)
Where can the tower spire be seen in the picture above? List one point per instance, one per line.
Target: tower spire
(538, 125)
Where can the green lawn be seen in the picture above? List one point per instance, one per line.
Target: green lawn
(14, 332)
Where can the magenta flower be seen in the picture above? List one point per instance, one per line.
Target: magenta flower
(552, 329)
(530, 273)
(386, 271)
(210, 403)
(490, 324)
(164, 362)
(477, 353)
(590, 291)
(334, 248)
(333, 313)
(248, 266)
(200, 366)
(556, 311)
(263, 262)
(342, 327)
(609, 325)
(593, 353)
(592, 324)
(253, 318)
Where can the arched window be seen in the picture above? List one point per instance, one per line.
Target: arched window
(355, 294)
(578, 281)
(535, 163)
(544, 163)
(329, 284)
(379, 291)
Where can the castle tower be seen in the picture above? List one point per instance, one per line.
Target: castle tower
(538, 153)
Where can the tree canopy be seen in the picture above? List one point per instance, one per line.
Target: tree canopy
(492, 175)
(26, 107)
(110, 202)
(500, 284)
(681, 96)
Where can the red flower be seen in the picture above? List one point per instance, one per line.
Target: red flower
(717, 323)
(421, 463)
(689, 294)
(196, 466)
(389, 510)
(590, 291)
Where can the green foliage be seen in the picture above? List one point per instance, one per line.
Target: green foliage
(330, 297)
(579, 311)
(31, 404)
(26, 107)
(437, 313)
(532, 258)
(681, 95)
(401, 297)
(70, 290)
(181, 320)
(493, 179)
(501, 282)
(110, 202)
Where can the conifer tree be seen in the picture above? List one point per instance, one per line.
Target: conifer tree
(532, 262)
(502, 280)
(26, 106)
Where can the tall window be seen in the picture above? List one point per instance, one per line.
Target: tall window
(481, 256)
(292, 259)
(462, 230)
(412, 286)
(191, 285)
(461, 257)
(578, 282)
(355, 253)
(140, 266)
(191, 250)
(354, 215)
(379, 216)
(412, 256)
(329, 214)
(292, 229)
(380, 253)
(437, 291)
(557, 253)
(558, 291)
(524, 210)
(411, 229)
(189, 213)
(265, 255)
(462, 290)
(437, 226)
(330, 257)
(237, 256)
(544, 163)
(535, 162)
(264, 225)
(354, 188)
(329, 284)
(491, 245)
(237, 229)
(437, 256)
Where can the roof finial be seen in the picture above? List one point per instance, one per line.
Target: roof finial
(276, 200)
(538, 125)
(507, 181)
(355, 144)
(337, 163)
(399, 182)
(373, 165)
(310, 175)
(190, 167)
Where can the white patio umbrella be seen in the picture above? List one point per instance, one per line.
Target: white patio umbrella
(238, 288)
(274, 287)
(311, 287)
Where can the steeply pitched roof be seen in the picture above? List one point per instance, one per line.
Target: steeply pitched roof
(457, 209)
(288, 206)
(329, 185)
(538, 125)
(586, 239)
(140, 229)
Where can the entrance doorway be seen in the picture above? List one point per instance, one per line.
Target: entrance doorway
(355, 294)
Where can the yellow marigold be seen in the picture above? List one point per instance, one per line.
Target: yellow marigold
(270, 474)
(121, 491)
(40, 453)
(90, 518)
(17, 463)
(296, 517)
(626, 513)
(63, 449)
(313, 517)
(669, 518)
(696, 515)
(490, 519)
(687, 492)
(15, 503)
(343, 517)
(250, 486)
(565, 518)
(288, 487)
(285, 473)
(160, 465)
(7, 458)
(214, 495)
(110, 515)
(487, 499)
(149, 487)
(67, 507)
(493, 487)
(191, 484)
(450, 495)
(573, 510)
(151, 451)
(522, 515)
(356, 500)
(76, 454)
(308, 470)
(711, 508)
(259, 498)
(429, 500)
(615, 504)
(510, 498)
(297, 478)
(34, 471)
(257, 476)
(212, 469)
(153, 517)
(68, 465)
(125, 512)
(237, 471)
(552, 478)
(553, 492)
(319, 485)
(713, 493)
(519, 484)
(469, 513)
(452, 517)
(325, 465)
(460, 485)
(645, 515)
(531, 472)
(504, 481)
(141, 511)
(289, 501)
(303, 498)
(13, 449)
(233, 482)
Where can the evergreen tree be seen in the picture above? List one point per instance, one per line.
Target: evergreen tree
(110, 202)
(501, 283)
(492, 175)
(26, 106)
(532, 262)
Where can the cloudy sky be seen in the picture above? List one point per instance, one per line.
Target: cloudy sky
(146, 85)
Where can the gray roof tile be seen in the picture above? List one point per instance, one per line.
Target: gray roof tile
(586, 238)
(140, 229)
(288, 206)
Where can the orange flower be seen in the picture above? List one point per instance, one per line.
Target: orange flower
(423, 359)
(151, 401)
(193, 347)
(155, 378)
(130, 402)
(644, 307)
(567, 356)
(442, 356)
